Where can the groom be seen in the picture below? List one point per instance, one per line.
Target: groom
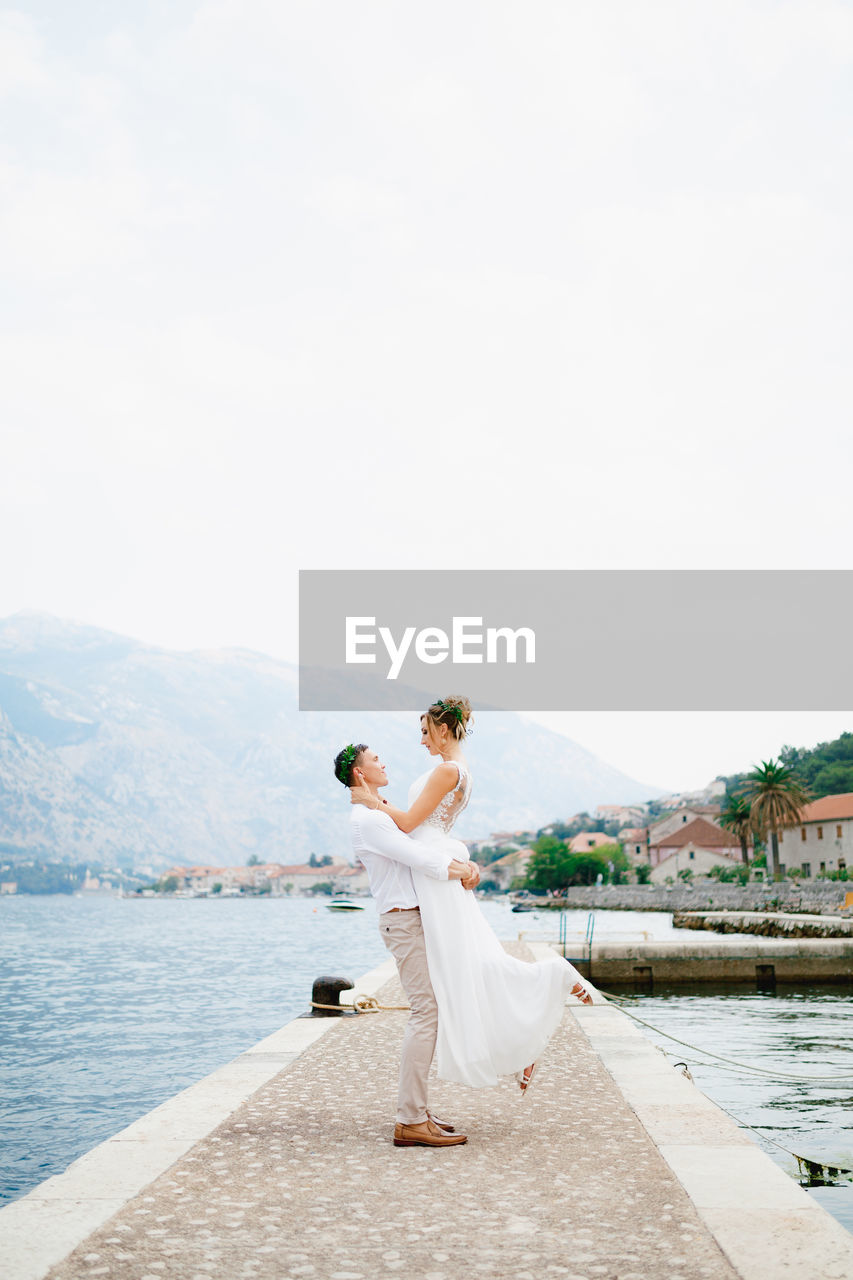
(388, 856)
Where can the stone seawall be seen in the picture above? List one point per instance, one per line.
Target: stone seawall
(820, 897)
(767, 924)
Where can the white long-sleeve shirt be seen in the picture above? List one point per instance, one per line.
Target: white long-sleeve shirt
(388, 855)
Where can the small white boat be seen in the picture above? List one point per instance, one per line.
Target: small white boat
(345, 904)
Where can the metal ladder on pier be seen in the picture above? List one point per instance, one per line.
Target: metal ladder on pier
(587, 944)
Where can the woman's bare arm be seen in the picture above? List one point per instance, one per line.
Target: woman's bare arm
(443, 778)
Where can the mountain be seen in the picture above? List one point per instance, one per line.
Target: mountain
(121, 753)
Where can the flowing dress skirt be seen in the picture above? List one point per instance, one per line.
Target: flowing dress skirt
(495, 1013)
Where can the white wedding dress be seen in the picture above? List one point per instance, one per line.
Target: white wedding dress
(495, 1013)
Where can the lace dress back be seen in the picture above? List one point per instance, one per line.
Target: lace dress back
(450, 806)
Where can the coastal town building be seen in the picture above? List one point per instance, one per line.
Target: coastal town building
(688, 857)
(698, 834)
(352, 881)
(504, 870)
(714, 791)
(697, 846)
(272, 877)
(624, 815)
(198, 879)
(635, 843)
(586, 840)
(501, 840)
(823, 840)
(96, 884)
(295, 880)
(680, 818)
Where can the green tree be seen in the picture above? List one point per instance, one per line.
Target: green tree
(217, 888)
(550, 866)
(167, 885)
(616, 854)
(777, 799)
(253, 860)
(826, 769)
(585, 868)
(737, 818)
(644, 873)
(554, 866)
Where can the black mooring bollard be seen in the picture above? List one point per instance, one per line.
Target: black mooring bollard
(327, 991)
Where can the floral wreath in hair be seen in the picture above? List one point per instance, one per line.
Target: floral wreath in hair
(447, 709)
(347, 761)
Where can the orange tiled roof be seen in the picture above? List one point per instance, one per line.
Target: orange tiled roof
(585, 840)
(705, 835)
(829, 807)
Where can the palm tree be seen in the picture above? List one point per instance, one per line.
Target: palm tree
(737, 818)
(776, 799)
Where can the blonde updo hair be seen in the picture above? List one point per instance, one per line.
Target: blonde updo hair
(453, 712)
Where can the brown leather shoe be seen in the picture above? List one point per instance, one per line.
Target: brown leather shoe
(441, 1124)
(425, 1134)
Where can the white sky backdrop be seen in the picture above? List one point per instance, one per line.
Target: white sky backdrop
(542, 285)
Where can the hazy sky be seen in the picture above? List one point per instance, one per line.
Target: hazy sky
(297, 285)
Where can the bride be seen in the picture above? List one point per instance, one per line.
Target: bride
(495, 1013)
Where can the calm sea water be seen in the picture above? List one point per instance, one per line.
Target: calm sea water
(798, 1031)
(109, 1006)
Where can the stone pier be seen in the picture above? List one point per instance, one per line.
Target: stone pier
(281, 1164)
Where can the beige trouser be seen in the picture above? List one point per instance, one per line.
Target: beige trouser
(403, 935)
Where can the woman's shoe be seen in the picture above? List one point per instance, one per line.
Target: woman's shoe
(580, 992)
(524, 1077)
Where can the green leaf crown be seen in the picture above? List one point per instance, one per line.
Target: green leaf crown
(347, 761)
(447, 709)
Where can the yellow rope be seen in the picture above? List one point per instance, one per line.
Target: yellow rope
(362, 1004)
